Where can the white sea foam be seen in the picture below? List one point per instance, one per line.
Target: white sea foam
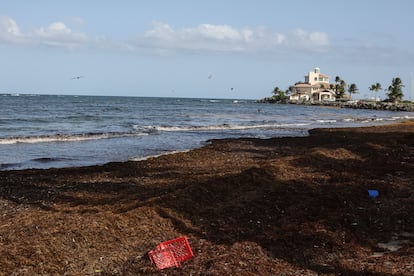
(157, 155)
(349, 120)
(65, 138)
(326, 121)
(218, 127)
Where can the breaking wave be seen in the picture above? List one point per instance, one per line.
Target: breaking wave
(138, 131)
(217, 127)
(66, 137)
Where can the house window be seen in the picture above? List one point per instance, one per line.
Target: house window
(315, 78)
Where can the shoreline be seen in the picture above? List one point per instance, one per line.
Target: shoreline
(248, 206)
(144, 158)
(378, 122)
(356, 104)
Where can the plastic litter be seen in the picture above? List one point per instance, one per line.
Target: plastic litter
(171, 253)
(373, 193)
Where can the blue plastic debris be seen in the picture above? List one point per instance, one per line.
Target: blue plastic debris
(373, 193)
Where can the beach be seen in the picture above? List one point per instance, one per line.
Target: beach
(279, 206)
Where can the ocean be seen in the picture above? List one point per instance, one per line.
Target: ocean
(54, 131)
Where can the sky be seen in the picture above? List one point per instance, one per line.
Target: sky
(239, 49)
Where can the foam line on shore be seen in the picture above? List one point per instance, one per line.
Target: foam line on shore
(65, 138)
(143, 158)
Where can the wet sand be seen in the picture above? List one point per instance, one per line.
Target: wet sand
(292, 206)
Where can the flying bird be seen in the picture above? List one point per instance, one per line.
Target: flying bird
(77, 77)
(210, 76)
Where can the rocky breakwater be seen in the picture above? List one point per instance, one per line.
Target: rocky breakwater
(375, 105)
(358, 104)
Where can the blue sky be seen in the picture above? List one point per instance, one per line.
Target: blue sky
(209, 49)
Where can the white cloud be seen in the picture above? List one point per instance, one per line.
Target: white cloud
(9, 30)
(225, 38)
(319, 38)
(164, 38)
(57, 28)
(161, 31)
(58, 34)
(313, 38)
(214, 32)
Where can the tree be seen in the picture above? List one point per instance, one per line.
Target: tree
(352, 89)
(339, 87)
(375, 87)
(337, 79)
(279, 95)
(395, 93)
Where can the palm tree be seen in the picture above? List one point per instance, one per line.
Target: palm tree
(352, 89)
(337, 79)
(375, 87)
(395, 93)
(340, 89)
(279, 94)
(276, 91)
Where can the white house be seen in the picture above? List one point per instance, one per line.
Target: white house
(316, 87)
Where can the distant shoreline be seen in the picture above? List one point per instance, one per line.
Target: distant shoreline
(357, 104)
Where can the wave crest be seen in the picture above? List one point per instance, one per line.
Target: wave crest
(151, 129)
(66, 137)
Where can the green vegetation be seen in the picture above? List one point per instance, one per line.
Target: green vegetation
(395, 93)
(352, 89)
(340, 87)
(375, 87)
(280, 95)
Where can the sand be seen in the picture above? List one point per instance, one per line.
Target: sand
(282, 206)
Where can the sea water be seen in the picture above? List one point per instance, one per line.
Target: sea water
(45, 131)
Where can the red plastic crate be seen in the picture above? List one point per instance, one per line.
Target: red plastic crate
(171, 253)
